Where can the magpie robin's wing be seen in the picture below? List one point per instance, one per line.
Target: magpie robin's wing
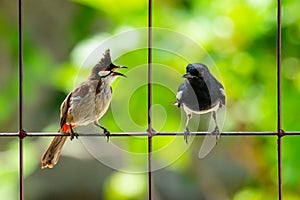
(179, 94)
(222, 96)
(217, 89)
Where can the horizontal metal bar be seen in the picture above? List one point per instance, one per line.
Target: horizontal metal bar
(90, 134)
(120, 134)
(9, 134)
(223, 133)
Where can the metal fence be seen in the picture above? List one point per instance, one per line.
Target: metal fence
(279, 133)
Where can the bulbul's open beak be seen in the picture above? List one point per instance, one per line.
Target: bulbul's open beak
(187, 75)
(118, 73)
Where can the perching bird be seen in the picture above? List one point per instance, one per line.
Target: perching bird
(200, 93)
(84, 105)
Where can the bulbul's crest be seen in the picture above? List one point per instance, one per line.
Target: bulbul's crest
(103, 64)
(105, 60)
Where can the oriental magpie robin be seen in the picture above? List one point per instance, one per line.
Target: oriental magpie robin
(200, 93)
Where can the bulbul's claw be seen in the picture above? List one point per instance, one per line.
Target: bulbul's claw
(73, 134)
(186, 134)
(106, 133)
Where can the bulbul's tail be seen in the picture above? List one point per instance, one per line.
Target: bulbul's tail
(52, 154)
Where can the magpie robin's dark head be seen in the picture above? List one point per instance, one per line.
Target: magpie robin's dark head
(196, 70)
(105, 68)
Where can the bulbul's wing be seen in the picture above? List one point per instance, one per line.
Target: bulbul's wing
(76, 97)
(64, 110)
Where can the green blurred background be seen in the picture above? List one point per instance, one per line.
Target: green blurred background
(240, 37)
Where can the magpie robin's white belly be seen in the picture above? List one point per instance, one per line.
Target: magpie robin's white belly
(213, 108)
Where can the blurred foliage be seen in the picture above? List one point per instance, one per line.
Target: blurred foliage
(240, 40)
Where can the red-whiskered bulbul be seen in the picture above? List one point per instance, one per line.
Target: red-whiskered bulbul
(84, 105)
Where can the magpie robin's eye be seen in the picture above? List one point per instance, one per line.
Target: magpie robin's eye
(193, 71)
(189, 67)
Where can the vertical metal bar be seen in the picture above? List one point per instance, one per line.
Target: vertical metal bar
(21, 132)
(279, 114)
(150, 167)
(150, 65)
(279, 122)
(150, 130)
(279, 147)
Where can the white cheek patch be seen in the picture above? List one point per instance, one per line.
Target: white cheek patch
(103, 73)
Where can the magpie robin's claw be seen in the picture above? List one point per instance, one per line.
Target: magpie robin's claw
(186, 134)
(216, 132)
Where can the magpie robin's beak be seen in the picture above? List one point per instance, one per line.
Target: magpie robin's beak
(187, 75)
(118, 73)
